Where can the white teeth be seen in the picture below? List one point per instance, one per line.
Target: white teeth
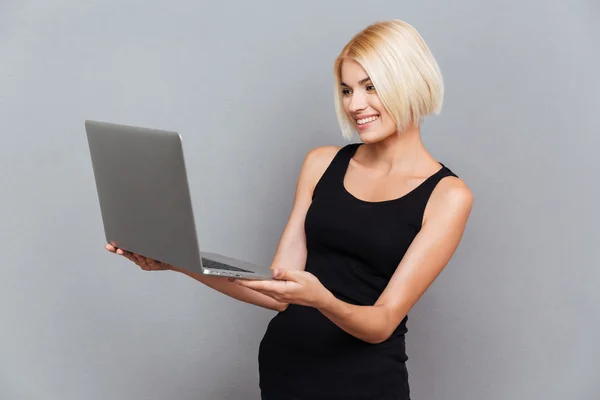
(366, 120)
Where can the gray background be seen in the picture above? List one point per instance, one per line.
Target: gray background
(249, 85)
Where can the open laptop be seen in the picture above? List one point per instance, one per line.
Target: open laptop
(145, 200)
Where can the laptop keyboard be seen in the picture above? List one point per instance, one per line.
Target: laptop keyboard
(217, 265)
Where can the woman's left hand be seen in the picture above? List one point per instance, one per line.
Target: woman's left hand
(293, 287)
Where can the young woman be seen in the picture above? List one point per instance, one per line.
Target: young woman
(373, 224)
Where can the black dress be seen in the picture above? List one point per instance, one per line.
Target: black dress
(354, 247)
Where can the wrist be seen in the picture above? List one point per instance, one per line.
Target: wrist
(325, 302)
(185, 272)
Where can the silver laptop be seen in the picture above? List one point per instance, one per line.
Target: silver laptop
(145, 200)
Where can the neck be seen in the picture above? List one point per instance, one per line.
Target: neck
(399, 152)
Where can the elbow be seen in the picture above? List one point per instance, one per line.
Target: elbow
(378, 338)
(375, 341)
(385, 330)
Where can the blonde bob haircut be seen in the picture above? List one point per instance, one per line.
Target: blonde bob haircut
(405, 74)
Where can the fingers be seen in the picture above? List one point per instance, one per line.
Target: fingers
(129, 255)
(135, 258)
(121, 252)
(250, 284)
(274, 287)
(114, 249)
(274, 290)
(273, 295)
(147, 264)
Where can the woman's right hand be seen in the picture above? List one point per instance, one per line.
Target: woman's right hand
(147, 264)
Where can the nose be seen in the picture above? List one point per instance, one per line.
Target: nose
(357, 102)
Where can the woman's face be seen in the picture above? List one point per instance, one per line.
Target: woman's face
(362, 104)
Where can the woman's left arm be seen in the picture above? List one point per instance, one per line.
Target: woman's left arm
(448, 210)
(443, 225)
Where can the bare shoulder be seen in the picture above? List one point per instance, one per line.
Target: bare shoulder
(315, 163)
(451, 197)
(317, 160)
(453, 189)
(321, 157)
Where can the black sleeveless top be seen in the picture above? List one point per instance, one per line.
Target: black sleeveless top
(354, 247)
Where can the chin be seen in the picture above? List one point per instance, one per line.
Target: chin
(371, 137)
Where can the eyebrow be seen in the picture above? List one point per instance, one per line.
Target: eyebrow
(367, 79)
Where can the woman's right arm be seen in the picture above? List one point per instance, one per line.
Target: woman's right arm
(291, 251)
(220, 284)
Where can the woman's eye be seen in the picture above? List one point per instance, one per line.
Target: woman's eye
(345, 92)
(370, 87)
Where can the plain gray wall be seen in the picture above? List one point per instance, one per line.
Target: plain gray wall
(249, 85)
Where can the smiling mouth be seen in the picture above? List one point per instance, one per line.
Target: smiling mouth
(363, 121)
